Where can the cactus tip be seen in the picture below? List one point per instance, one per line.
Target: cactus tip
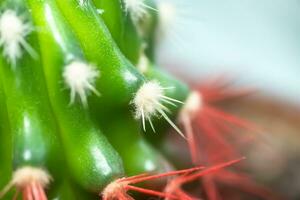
(80, 78)
(13, 30)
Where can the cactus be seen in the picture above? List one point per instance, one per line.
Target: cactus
(80, 97)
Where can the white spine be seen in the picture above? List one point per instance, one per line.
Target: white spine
(148, 102)
(80, 78)
(13, 31)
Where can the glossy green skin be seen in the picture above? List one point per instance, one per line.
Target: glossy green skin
(121, 27)
(119, 79)
(147, 26)
(5, 144)
(92, 161)
(148, 29)
(33, 129)
(131, 44)
(179, 90)
(139, 156)
(134, 164)
(124, 134)
(112, 15)
(66, 190)
(129, 37)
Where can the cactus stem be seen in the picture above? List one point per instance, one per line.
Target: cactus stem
(13, 30)
(80, 78)
(31, 181)
(147, 102)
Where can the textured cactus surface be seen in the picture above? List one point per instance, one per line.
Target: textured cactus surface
(85, 109)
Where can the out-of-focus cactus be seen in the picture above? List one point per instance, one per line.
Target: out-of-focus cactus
(79, 88)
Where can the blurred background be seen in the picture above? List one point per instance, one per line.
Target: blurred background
(257, 44)
(253, 40)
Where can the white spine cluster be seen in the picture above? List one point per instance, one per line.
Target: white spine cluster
(82, 2)
(136, 8)
(25, 176)
(113, 190)
(80, 78)
(13, 31)
(148, 102)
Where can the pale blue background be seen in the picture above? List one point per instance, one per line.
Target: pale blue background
(258, 41)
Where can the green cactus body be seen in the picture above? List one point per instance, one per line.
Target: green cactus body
(176, 90)
(132, 37)
(68, 190)
(5, 144)
(33, 129)
(112, 14)
(121, 27)
(91, 160)
(147, 27)
(144, 29)
(125, 35)
(119, 79)
(139, 156)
